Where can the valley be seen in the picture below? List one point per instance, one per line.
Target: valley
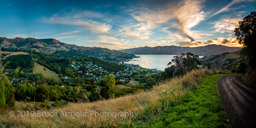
(127, 64)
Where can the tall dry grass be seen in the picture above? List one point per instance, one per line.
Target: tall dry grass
(165, 93)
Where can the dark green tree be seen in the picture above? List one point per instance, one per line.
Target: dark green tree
(8, 91)
(42, 93)
(107, 83)
(2, 95)
(21, 92)
(181, 64)
(150, 82)
(246, 34)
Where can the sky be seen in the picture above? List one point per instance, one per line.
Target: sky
(123, 24)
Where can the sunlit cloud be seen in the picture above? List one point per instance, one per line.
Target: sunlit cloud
(184, 23)
(111, 43)
(177, 36)
(231, 42)
(189, 14)
(226, 25)
(140, 31)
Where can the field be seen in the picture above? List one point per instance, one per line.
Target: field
(176, 98)
(39, 69)
(13, 54)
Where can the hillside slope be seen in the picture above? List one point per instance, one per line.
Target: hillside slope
(53, 46)
(174, 50)
(39, 69)
(223, 61)
(126, 111)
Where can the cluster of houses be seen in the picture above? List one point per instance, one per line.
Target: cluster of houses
(95, 72)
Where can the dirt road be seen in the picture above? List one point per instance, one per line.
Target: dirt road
(239, 101)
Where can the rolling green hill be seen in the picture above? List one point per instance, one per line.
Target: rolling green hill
(39, 69)
(55, 46)
(222, 61)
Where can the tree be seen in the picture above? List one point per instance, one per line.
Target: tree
(95, 94)
(42, 93)
(181, 64)
(150, 82)
(107, 83)
(21, 92)
(30, 91)
(246, 34)
(2, 95)
(7, 96)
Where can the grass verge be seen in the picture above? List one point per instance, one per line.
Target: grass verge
(198, 107)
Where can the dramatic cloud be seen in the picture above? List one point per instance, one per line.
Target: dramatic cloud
(226, 25)
(185, 15)
(232, 42)
(189, 14)
(91, 25)
(177, 36)
(165, 23)
(139, 31)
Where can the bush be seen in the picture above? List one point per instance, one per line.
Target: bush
(59, 103)
(42, 93)
(2, 95)
(124, 91)
(150, 82)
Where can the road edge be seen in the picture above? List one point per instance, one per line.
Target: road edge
(227, 105)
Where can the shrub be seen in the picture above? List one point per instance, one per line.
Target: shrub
(2, 95)
(59, 103)
(150, 82)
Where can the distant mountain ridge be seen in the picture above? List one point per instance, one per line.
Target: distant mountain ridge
(53, 46)
(173, 50)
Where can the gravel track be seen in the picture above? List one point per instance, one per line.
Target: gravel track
(239, 101)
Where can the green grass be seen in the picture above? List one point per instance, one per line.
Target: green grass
(142, 70)
(48, 74)
(199, 107)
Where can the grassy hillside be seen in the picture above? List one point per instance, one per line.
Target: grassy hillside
(136, 109)
(39, 69)
(198, 107)
(222, 61)
(55, 46)
(8, 54)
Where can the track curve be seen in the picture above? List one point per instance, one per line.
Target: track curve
(239, 101)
